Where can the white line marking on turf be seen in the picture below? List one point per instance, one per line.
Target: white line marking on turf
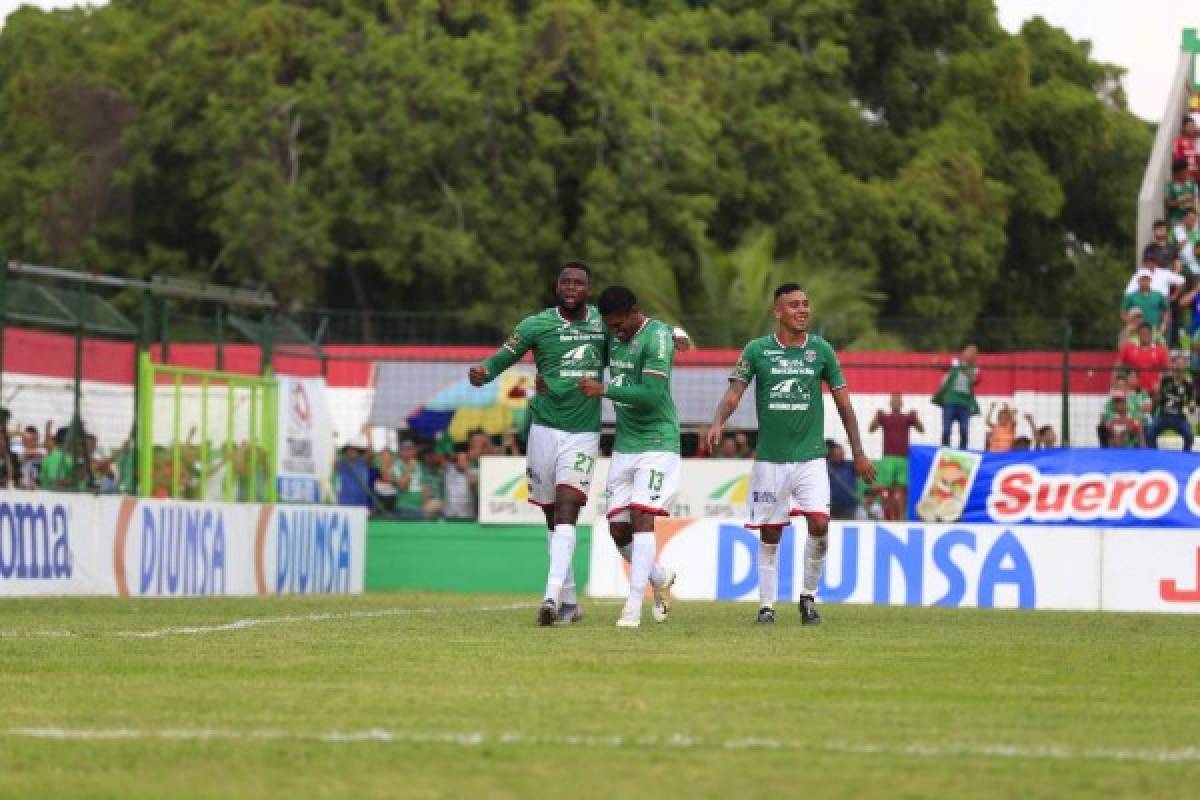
(256, 622)
(475, 739)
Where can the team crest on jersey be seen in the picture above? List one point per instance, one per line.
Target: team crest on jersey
(791, 388)
(585, 352)
(810, 355)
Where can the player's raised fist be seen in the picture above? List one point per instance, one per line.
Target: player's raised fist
(478, 375)
(591, 388)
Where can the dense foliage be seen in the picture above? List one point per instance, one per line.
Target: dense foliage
(908, 159)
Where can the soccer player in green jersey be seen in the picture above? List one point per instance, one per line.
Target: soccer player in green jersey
(789, 478)
(643, 476)
(569, 342)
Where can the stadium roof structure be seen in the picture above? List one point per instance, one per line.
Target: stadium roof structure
(281, 335)
(48, 306)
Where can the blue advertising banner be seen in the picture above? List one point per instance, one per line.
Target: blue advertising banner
(1116, 488)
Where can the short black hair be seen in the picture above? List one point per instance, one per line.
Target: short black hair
(1159, 223)
(1179, 165)
(1146, 325)
(580, 265)
(615, 299)
(787, 288)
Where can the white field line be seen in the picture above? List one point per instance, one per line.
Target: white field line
(1186, 755)
(256, 622)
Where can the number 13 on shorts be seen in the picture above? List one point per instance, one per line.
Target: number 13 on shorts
(645, 481)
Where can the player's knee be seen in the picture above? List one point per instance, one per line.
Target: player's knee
(621, 533)
(818, 525)
(771, 534)
(567, 505)
(643, 521)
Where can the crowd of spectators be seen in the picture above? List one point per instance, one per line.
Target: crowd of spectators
(55, 458)
(431, 480)
(1158, 348)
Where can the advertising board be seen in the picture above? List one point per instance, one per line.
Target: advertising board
(713, 487)
(67, 544)
(1089, 487)
(878, 563)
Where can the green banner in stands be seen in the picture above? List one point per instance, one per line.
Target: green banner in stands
(463, 557)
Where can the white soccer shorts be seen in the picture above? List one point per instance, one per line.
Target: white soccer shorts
(779, 492)
(556, 458)
(645, 481)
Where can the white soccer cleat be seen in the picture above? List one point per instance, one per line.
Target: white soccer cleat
(662, 595)
(630, 617)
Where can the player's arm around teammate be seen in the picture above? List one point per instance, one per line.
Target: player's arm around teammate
(644, 473)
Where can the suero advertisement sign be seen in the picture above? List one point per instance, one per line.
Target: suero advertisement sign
(1113, 488)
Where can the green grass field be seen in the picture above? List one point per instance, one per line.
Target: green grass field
(406, 695)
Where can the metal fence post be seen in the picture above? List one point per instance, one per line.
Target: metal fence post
(1066, 385)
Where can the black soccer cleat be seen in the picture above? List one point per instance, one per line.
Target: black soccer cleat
(766, 616)
(808, 610)
(547, 612)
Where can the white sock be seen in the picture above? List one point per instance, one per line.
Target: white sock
(656, 571)
(643, 561)
(568, 595)
(815, 548)
(768, 573)
(562, 549)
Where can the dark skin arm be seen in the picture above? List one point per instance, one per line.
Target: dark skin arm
(862, 465)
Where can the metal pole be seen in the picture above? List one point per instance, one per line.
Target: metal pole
(1066, 386)
(203, 439)
(145, 336)
(175, 447)
(74, 444)
(145, 423)
(253, 441)
(220, 337)
(164, 334)
(268, 342)
(229, 495)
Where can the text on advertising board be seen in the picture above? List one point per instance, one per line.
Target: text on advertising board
(35, 541)
(312, 552)
(955, 555)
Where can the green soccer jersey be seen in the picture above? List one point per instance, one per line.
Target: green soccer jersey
(787, 395)
(1185, 190)
(640, 387)
(564, 351)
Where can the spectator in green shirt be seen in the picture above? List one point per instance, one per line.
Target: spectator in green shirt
(409, 478)
(1123, 430)
(957, 396)
(1181, 191)
(1155, 309)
